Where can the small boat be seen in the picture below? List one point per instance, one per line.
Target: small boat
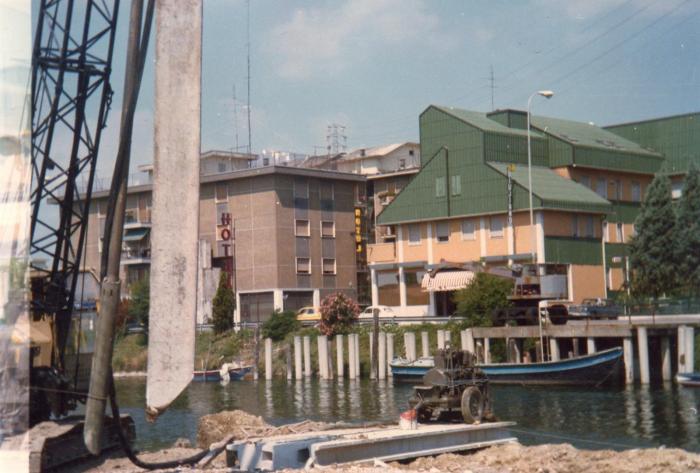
(593, 369)
(235, 373)
(691, 380)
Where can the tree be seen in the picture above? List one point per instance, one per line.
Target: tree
(223, 305)
(140, 302)
(688, 233)
(279, 325)
(653, 248)
(338, 314)
(484, 294)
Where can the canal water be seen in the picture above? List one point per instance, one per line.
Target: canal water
(615, 418)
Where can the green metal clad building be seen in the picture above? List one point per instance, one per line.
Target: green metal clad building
(466, 155)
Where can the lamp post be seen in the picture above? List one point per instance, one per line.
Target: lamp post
(546, 94)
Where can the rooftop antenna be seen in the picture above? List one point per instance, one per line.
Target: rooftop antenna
(250, 145)
(235, 117)
(493, 88)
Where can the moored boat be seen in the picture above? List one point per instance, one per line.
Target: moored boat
(234, 373)
(593, 369)
(688, 379)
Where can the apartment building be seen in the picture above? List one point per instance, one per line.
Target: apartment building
(285, 235)
(469, 206)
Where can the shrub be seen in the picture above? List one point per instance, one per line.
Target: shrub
(223, 305)
(483, 295)
(279, 325)
(140, 302)
(338, 314)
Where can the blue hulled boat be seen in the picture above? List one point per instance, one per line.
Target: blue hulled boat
(688, 379)
(234, 373)
(593, 369)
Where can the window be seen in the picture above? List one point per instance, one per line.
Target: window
(586, 181)
(266, 161)
(468, 230)
(440, 190)
(636, 191)
(590, 232)
(327, 229)
(402, 163)
(326, 191)
(303, 265)
(443, 232)
(221, 209)
(222, 167)
(676, 189)
(574, 225)
(455, 185)
(130, 216)
(410, 152)
(328, 265)
(221, 192)
(601, 187)
(414, 234)
(301, 228)
(615, 190)
(619, 233)
(496, 227)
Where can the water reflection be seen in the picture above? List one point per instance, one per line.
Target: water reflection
(615, 418)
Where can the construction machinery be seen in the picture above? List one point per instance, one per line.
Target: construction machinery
(454, 387)
(540, 293)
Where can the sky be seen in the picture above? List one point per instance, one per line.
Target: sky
(375, 65)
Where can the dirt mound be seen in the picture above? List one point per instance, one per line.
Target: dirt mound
(562, 458)
(216, 427)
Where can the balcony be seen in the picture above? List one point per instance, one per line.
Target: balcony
(136, 247)
(381, 252)
(132, 255)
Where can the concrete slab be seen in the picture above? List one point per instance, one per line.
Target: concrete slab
(332, 447)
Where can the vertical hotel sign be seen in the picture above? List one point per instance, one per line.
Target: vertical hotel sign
(358, 231)
(225, 230)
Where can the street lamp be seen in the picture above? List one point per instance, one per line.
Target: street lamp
(548, 95)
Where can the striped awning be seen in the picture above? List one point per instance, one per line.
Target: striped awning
(446, 281)
(135, 234)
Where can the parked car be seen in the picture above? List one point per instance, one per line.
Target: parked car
(595, 309)
(309, 315)
(384, 312)
(135, 327)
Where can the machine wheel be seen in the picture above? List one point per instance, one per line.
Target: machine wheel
(472, 405)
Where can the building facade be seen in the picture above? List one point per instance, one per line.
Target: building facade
(285, 236)
(469, 205)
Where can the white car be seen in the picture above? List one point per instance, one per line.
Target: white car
(384, 312)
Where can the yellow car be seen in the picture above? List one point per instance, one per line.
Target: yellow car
(308, 315)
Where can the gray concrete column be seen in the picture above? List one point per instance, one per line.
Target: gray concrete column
(590, 345)
(340, 363)
(375, 286)
(448, 338)
(690, 349)
(479, 352)
(307, 356)
(554, 349)
(628, 356)
(643, 348)
(469, 339)
(389, 352)
(322, 342)
(352, 373)
(681, 349)
(288, 354)
(487, 351)
(432, 307)
(372, 374)
(268, 358)
(409, 339)
(297, 357)
(382, 356)
(441, 339)
(425, 344)
(356, 340)
(402, 286)
(665, 359)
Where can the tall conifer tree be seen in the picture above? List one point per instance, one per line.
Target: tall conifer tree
(653, 248)
(688, 233)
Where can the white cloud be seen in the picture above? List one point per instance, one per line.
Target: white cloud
(327, 40)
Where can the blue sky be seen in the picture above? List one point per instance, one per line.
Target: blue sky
(374, 65)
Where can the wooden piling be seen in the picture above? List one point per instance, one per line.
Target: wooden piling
(381, 356)
(389, 352)
(268, 358)
(322, 342)
(352, 371)
(297, 358)
(643, 348)
(307, 356)
(665, 359)
(340, 363)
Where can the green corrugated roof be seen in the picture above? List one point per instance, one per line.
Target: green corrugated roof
(555, 190)
(483, 122)
(584, 134)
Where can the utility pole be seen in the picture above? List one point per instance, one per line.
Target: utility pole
(493, 88)
(250, 144)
